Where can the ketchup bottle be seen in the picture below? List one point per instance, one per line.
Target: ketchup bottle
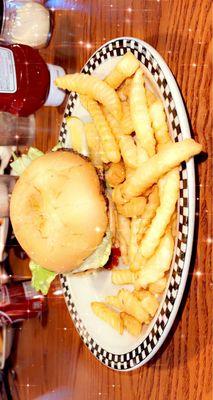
(26, 81)
(19, 301)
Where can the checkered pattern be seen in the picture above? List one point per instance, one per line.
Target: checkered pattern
(139, 354)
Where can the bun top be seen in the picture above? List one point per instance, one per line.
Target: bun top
(57, 210)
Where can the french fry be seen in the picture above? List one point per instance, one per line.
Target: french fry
(123, 90)
(77, 135)
(114, 302)
(141, 154)
(93, 87)
(122, 127)
(134, 207)
(169, 191)
(113, 123)
(147, 276)
(132, 325)
(115, 174)
(125, 67)
(151, 170)
(174, 224)
(159, 122)
(128, 150)
(94, 145)
(131, 123)
(126, 121)
(158, 286)
(132, 306)
(104, 158)
(156, 265)
(124, 227)
(123, 233)
(149, 191)
(117, 244)
(138, 264)
(112, 218)
(148, 301)
(140, 113)
(133, 244)
(151, 98)
(108, 315)
(123, 249)
(108, 141)
(129, 171)
(149, 211)
(122, 277)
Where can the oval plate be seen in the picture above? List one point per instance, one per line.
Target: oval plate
(125, 352)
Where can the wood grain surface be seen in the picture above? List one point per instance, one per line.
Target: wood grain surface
(50, 357)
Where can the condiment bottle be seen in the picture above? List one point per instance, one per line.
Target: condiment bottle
(19, 301)
(25, 22)
(26, 81)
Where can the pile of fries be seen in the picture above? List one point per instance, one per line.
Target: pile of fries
(129, 141)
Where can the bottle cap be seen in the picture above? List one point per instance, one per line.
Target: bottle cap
(56, 96)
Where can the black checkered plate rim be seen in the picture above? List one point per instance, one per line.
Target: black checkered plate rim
(176, 114)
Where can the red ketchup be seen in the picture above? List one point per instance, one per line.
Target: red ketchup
(26, 81)
(113, 258)
(19, 301)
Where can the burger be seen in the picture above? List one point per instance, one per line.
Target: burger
(58, 212)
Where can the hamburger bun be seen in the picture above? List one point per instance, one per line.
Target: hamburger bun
(58, 211)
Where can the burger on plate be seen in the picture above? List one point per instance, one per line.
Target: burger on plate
(59, 215)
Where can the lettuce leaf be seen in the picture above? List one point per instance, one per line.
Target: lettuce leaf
(99, 257)
(58, 146)
(41, 277)
(21, 163)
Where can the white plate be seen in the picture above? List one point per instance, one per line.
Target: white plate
(125, 352)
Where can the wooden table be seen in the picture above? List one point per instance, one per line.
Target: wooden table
(52, 359)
